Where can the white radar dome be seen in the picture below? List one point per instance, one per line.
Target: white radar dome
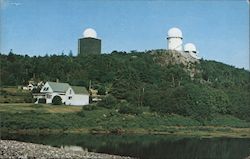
(190, 47)
(174, 33)
(89, 33)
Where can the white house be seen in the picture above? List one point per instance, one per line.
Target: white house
(70, 95)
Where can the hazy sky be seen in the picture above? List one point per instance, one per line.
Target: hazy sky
(220, 29)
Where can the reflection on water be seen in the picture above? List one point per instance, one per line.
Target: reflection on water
(147, 146)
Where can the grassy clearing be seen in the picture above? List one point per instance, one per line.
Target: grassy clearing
(45, 108)
(30, 118)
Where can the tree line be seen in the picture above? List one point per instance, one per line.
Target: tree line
(137, 80)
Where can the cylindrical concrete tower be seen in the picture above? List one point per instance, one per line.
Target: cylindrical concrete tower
(89, 44)
(175, 39)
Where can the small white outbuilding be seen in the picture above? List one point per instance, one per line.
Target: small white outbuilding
(191, 49)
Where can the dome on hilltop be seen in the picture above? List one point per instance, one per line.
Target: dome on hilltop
(190, 47)
(174, 33)
(89, 33)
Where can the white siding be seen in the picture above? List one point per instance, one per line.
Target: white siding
(46, 86)
(78, 99)
(70, 92)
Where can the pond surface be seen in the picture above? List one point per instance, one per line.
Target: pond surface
(147, 146)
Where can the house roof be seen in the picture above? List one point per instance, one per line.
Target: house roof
(59, 87)
(79, 90)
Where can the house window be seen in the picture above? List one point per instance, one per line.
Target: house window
(48, 96)
(45, 88)
(70, 97)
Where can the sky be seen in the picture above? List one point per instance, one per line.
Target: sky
(218, 28)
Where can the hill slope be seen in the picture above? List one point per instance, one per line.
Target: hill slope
(163, 81)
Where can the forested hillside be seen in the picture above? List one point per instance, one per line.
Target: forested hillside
(153, 79)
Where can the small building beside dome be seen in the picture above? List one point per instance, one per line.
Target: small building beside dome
(190, 48)
(89, 44)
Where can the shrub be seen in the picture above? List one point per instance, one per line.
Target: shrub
(201, 102)
(108, 102)
(81, 114)
(116, 131)
(57, 100)
(28, 99)
(101, 90)
(41, 100)
(89, 107)
(126, 108)
(3, 92)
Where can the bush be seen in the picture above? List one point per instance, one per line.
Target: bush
(116, 131)
(57, 100)
(204, 102)
(28, 99)
(3, 92)
(126, 108)
(81, 114)
(201, 102)
(108, 102)
(89, 107)
(41, 100)
(101, 90)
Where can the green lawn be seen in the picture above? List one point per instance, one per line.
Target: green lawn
(50, 118)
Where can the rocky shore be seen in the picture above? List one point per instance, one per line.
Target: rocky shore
(10, 149)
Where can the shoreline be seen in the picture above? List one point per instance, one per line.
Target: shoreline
(188, 131)
(24, 150)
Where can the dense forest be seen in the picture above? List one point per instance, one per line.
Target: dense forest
(135, 80)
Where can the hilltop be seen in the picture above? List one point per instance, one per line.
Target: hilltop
(163, 82)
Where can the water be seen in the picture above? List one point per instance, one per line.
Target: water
(147, 146)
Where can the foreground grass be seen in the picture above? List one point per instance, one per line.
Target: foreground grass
(30, 118)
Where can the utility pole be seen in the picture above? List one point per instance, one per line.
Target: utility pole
(89, 85)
